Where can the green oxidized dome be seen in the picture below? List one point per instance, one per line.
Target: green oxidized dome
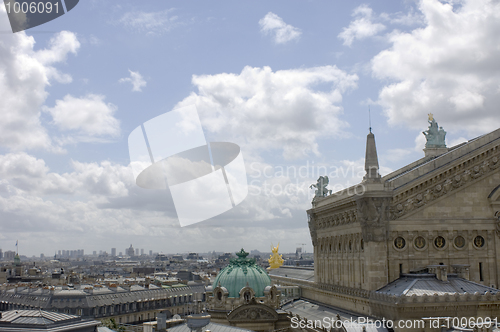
(240, 271)
(17, 260)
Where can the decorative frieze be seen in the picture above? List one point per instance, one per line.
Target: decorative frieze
(445, 182)
(373, 216)
(341, 218)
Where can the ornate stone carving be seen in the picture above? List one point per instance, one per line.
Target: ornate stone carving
(341, 218)
(440, 185)
(253, 312)
(372, 214)
(312, 228)
(497, 214)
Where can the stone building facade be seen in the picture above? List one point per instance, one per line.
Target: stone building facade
(126, 304)
(422, 241)
(440, 210)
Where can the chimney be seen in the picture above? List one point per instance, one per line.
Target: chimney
(462, 270)
(441, 271)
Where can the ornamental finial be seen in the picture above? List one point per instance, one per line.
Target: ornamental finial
(242, 254)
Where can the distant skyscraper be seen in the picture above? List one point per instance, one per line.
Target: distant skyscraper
(1, 254)
(9, 255)
(130, 251)
(151, 253)
(94, 253)
(137, 252)
(113, 251)
(142, 252)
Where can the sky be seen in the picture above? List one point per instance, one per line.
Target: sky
(290, 82)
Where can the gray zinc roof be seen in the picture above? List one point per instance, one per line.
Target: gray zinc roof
(76, 298)
(15, 316)
(212, 327)
(428, 284)
(293, 272)
(321, 315)
(39, 320)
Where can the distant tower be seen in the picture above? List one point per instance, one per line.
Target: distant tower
(113, 252)
(298, 253)
(130, 251)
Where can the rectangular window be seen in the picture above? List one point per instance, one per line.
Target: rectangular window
(400, 269)
(481, 272)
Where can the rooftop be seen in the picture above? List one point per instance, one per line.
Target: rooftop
(316, 312)
(428, 284)
(212, 327)
(301, 273)
(33, 320)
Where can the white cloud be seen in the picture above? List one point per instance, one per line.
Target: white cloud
(31, 175)
(136, 79)
(24, 77)
(419, 143)
(406, 19)
(274, 25)
(395, 155)
(449, 68)
(264, 110)
(149, 22)
(102, 198)
(457, 141)
(362, 27)
(63, 43)
(89, 115)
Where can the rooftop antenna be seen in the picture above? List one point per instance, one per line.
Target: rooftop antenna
(370, 119)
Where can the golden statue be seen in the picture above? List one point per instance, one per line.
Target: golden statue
(275, 260)
(431, 117)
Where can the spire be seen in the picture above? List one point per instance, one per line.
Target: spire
(371, 160)
(369, 118)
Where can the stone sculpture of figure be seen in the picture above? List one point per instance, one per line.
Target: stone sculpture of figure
(441, 134)
(320, 186)
(435, 137)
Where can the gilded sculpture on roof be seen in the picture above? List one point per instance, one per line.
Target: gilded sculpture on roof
(275, 260)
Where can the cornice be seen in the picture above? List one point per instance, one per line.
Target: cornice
(463, 173)
(347, 216)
